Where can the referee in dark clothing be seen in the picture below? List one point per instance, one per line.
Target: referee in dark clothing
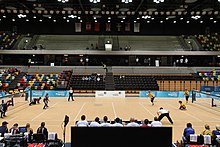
(163, 112)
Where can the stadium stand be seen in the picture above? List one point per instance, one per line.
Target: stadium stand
(8, 39)
(135, 82)
(209, 42)
(87, 83)
(7, 76)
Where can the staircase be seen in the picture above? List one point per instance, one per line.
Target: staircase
(109, 81)
(13, 84)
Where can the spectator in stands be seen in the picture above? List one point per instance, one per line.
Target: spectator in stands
(215, 132)
(132, 123)
(117, 123)
(105, 67)
(30, 132)
(35, 101)
(163, 112)
(207, 131)
(182, 106)
(29, 129)
(145, 123)
(83, 122)
(46, 101)
(95, 123)
(105, 122)
(187, 131)
(71, 94)
(14, 129)
(4, 128)
(150, 94)
(43, 130)
(186, 93)
(2, 108)
(156, 123)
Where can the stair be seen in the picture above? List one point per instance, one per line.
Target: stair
(109, 81)
(13, 84)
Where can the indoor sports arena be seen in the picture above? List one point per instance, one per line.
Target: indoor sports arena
(94, 73)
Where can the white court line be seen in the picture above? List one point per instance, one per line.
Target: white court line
(79, 111)
(185, 112)
(210, 110)
(13, 118)
(113, 107)
(146, 109)
(44, 112)
(17, 107)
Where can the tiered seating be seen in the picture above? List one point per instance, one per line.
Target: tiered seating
(209, 75)
(63, 79)
(87, 82)
(6, 77)
(132, 82)
(8, 39)
(174, 77)
(38, 81)
(210, 42)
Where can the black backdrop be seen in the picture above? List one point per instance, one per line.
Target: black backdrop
(121, 137)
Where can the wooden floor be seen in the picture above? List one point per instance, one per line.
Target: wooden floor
(198, 113)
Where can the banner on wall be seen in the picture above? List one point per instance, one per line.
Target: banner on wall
(51, 93)
(111, 94)
(88, 26)
(97, 27)
(127, 26)
(77, 27)
(207, 88)
(2, 94)
(169, 94)
(108, 27)
(136, 27)
(118, 27)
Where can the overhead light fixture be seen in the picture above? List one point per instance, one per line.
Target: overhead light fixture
(94, 1)
(63, 1)
(126, 1)
(158, 1)
(196, 17)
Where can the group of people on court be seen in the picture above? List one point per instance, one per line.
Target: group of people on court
(165, 113)
(182, 106)
(35, 101)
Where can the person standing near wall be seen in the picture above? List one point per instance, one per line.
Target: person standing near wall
(186, 93)
(70, 94)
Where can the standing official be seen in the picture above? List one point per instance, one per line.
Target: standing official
(70, 94)
(163, 112)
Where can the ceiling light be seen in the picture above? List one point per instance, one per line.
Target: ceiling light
(94, 1)
(63, 1)
(158, 1)
(126, 1)
(22, 16)
(196, 17)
